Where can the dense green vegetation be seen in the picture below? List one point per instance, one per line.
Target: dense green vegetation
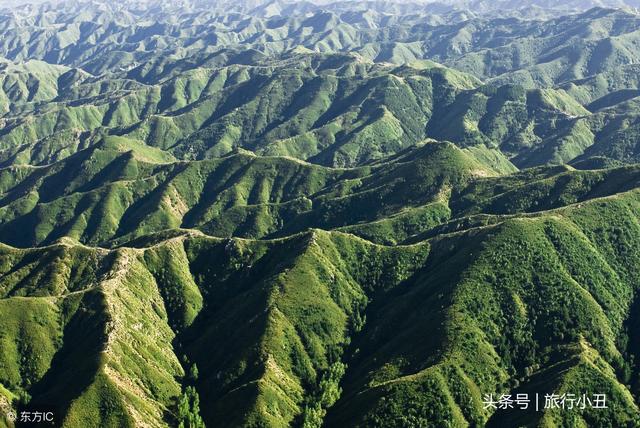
(291, 319)
(275, 214)
(333, 88)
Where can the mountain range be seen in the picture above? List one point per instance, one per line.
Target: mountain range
(319, 214)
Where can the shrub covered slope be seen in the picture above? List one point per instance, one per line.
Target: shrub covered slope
(281, 214)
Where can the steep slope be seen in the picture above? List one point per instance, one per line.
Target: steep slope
(334, 110)
(120, 195)
(281, 330)
(548, 320)
(128, 373)
(548, 48)
(275, 213)
(93, 343)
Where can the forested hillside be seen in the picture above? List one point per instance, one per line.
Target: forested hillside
(319, 214)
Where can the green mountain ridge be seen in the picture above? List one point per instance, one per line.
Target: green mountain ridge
(543, 49)
(334, 110)
(319, 214)
(119, 195)
(280, 382)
